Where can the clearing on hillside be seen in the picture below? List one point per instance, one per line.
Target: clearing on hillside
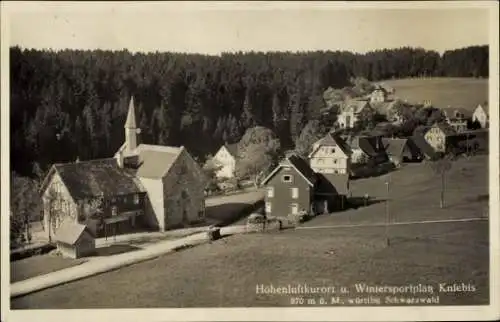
(465, 93)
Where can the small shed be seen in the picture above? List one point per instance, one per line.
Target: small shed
(75, 240)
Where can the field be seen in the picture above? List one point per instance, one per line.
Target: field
(39, 265)
(226, 273)
(442, 92)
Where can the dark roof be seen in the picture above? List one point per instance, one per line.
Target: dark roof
(332, 183)
(232, 148)
(96, 177)
(423, 146)
(332, 139)
(446, 128)
(394, 146)
(70, 231)
(300, 166)
(367, 144)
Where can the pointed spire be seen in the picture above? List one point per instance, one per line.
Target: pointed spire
(130, 123)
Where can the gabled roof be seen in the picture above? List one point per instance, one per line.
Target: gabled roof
(446, 128)
(333, 184)
(87, 179)
(423, 146)
(69, 232)
(484, 107)
(331, 139)
(355, 106)
(156, 160)
(364, 143)
(300, 165)
(380, 89)
(394, 146)
(232, 149)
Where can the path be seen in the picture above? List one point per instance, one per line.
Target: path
(100, 265)
(397, 223)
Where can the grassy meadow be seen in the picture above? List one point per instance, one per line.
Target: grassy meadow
(465, 93)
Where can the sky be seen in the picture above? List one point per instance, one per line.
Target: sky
(212, 28)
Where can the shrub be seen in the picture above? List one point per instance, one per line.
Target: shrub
(298, 218)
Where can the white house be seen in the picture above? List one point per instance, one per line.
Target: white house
(379, 95)
(330, 155)
(226, 159)
(354, 111)
(481, 115)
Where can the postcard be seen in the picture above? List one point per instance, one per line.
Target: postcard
(250, 161)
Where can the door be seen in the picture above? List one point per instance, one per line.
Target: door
(294, 208)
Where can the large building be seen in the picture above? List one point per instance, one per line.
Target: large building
(142, 186)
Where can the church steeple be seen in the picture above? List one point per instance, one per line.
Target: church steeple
(130, 123)
(131, 129)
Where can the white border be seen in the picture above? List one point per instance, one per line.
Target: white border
(442, 313)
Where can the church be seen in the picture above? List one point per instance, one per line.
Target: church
(142, 187)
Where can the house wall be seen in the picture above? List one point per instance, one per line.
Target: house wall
(85, 245)
(347, 119)
(123, 203)
(480, 116)
(436, 139)
(58, 207)
(183, 194)
(66, 250)
(153, 203)
(281, 202)
(377, 96)
(328, 159)
(227, 161)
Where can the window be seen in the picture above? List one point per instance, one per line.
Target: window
(287, 178)
(335, 161)
(294, 208)
(336, 171)
(295, 193)
(333, 150)
(268, 207)
(136, 199)
(320, 161)
(270, 192)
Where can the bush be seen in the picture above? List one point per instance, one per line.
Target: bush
(298, 218)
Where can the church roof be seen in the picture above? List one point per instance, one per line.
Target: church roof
(131, 122)
(156, 160)
(88, 179)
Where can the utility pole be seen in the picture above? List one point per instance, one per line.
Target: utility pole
(387, 183)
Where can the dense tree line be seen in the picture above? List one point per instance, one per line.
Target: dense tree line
(72, 103)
